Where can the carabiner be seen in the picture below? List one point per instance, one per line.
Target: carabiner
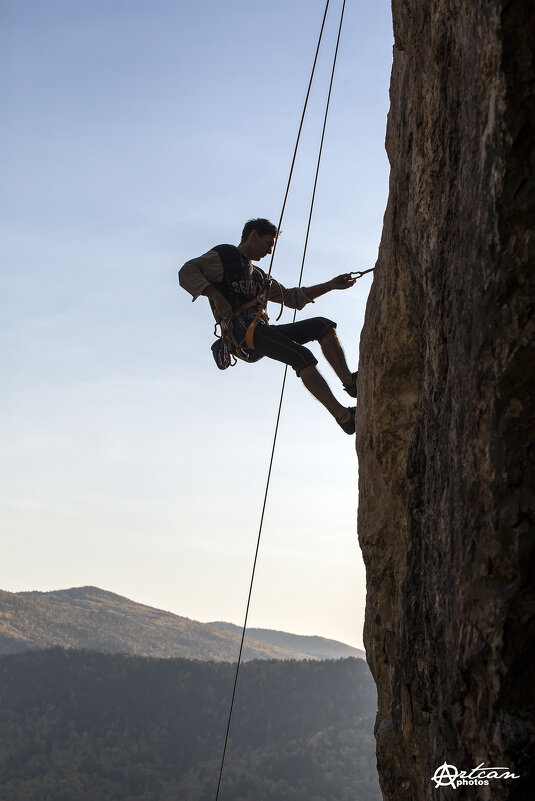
(359, 273)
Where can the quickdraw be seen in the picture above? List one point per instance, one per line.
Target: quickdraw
(359, 273)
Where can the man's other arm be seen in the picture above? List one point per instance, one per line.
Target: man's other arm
(197, 277)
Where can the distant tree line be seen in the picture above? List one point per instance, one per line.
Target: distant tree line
(86, 726)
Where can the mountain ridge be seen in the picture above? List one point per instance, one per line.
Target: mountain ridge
(312, 645)
(91, 618)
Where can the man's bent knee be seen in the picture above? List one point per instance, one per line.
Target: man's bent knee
(308, 364)
(328, 329)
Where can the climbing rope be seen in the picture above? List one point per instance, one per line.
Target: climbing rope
(244, 628)
(298, 139)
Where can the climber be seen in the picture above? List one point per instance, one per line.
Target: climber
(232, 284)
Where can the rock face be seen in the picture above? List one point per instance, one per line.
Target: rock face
(445, 423)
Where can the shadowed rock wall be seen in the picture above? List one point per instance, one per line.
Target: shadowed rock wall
(445, 423)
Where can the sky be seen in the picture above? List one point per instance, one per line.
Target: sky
(136, 136)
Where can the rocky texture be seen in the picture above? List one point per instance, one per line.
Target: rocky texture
(445, 423)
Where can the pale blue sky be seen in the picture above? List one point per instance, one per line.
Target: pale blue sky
(135, 136)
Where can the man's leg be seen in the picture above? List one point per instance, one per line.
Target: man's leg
(272, 342)
(333, 352)
(324, 331)
(316, 384)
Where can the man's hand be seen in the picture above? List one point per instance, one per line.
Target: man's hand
(223, 309)
(344, 281)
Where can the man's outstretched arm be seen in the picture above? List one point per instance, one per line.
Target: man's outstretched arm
(298, 297)
(344, 281)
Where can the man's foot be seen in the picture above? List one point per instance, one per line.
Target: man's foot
(351, 388)
(347, 422)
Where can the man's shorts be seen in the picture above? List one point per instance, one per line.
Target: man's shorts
(285, 342)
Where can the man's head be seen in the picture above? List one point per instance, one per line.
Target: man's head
(258, 238)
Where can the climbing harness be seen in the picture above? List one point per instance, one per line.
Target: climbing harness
(244, 628)
(227, 350)
(261, 314)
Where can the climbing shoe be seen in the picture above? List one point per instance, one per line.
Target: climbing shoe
(349, 425)
(351, 389)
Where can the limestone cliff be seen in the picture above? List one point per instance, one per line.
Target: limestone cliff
(445, 423)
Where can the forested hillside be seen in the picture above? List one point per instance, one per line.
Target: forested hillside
(85, 726)
(94, 619)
